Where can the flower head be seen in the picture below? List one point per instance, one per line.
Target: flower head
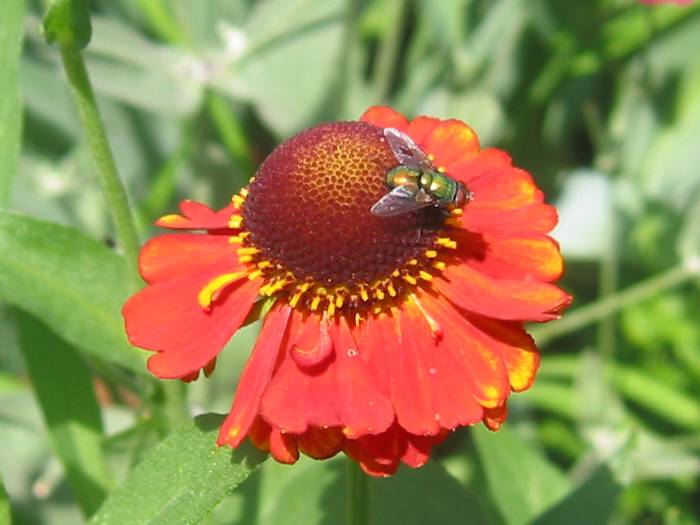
(385, 332)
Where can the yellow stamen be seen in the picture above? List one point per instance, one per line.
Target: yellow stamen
(264, 264)
(379, 294)
(425, 275)
(439, 265)
(392, 291)
(236, 221)
(446, 242)
(331, 309)
(237, 201)
(247, 250)
(255, 274)
(315, 302)
(457, 212)
(441, 169)
(235, 239)
(410, 279)
(207, 294)
(295, 299)
(413, 262)
(339, 300)
(244, 192)
(364, 294)
(431, 254)
(245, 258)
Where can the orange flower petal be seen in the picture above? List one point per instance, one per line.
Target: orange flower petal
(503, 189)
(197, 216)
(507, 299)
(418, 449)
(516, 347)
(301, 397)
(411, 392)
(527, 256)
(470, 355)
(487, 161)
(443, 372)
(420, 127)
(175, 256)
(494, 417)
(283, 447)
(321, 443)
(255, 377)
(541, 218)
(166, 318)
(451, 142)
(363, 407)
(384, 117)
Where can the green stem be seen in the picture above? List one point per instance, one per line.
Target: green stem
(112, 187)
(598, 310)
(231, 132)
(357, 495)
(388, 52)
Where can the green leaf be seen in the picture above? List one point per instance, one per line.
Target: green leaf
(5, 514)
(521, 481)
(71, 282)
(63, 386)
(12, 22)
(67, 22)
(592, 502)
(182, 479)
(403, 499)
(313, 493)
(654, 395)
(290, 61)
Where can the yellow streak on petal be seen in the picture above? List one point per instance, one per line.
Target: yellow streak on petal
(206, 294)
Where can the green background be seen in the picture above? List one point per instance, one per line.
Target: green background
(599, 100)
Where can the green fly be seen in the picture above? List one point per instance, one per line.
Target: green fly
(416, 184)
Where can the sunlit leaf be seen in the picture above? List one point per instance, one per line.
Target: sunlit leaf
(521, 481)
(10, 105)
(182, 479)
(63, 386)
(591, 502)
(72, 283)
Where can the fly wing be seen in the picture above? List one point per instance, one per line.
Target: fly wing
(406, 151)
(400, 200)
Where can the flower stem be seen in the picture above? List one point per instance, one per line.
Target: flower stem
(112, 187)
(357, 494)
(389, 50)
(598, 310)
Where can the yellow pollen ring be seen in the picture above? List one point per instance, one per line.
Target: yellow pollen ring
(207, 294)
(236, 221)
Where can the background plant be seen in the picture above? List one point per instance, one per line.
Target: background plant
(599, 100)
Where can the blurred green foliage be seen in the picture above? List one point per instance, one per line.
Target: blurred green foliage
(600, 100)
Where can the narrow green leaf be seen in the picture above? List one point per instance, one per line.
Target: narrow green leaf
(592, 502)
(71, 282)
(521, 481)
(63, 386)
(5, 513)
(11, 33)
(657, 396)
(182, 479)
(67, 22)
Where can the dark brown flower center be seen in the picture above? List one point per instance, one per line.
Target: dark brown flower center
(308, 208)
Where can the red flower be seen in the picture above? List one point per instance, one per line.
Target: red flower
(385, 333)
